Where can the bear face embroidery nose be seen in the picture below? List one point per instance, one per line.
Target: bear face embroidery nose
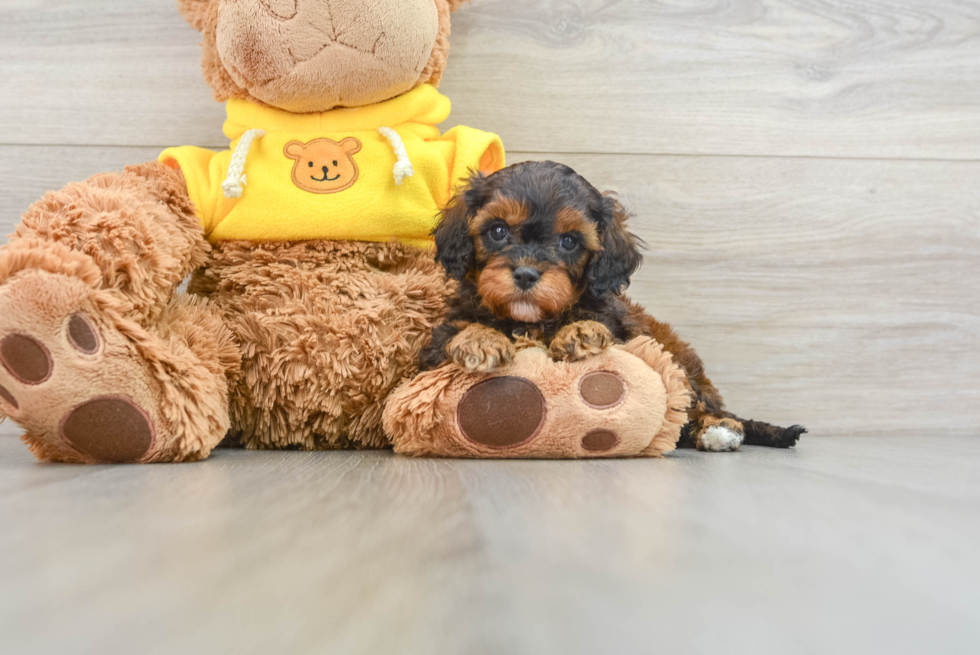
(326, 176)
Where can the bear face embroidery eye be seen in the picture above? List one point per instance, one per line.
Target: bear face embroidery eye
(567, 242)
(499, 232)
(335, 162)
(311, 164)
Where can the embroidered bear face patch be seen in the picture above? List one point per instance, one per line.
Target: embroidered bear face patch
(323, 165)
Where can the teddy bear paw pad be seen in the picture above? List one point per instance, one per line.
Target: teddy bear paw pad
(110, 429)
(71, 380)
(599, 441)
(501, 412)
(602, 390)
(82, 334)
(25, 358)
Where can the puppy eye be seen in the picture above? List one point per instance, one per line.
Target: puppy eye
(567, 242)
(499, 232)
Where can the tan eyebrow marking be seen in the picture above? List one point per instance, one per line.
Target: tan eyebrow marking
(513, 212)
(572, 220)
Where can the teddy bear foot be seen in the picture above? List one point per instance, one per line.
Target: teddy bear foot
(73, 381)
(624, 402)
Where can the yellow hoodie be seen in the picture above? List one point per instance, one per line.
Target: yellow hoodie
(373, 173)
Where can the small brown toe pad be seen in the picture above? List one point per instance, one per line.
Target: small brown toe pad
(25, 358)
(602, 390)
(82, 335)
(599, 441)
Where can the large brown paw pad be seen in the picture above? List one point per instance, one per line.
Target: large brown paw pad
(109, 429)
(501, 412)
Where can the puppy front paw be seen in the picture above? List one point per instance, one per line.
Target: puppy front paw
(479, 349)
(580, 340)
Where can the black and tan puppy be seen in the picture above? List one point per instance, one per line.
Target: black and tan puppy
(540, 253)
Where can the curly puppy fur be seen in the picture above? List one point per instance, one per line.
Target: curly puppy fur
(539, 252)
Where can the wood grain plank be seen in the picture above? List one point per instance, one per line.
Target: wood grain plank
(889, 78)
(840, 546)
(892, 78)
(837, 293)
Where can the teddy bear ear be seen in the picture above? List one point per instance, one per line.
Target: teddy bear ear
(350, 145)
(195, 12)
(294, 149)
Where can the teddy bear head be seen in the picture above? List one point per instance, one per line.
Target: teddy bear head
(315, 55)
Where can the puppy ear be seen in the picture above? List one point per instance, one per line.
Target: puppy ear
(610, 269)
(454, 245)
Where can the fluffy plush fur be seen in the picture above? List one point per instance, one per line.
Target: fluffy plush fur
(539, 252)
(328, 329)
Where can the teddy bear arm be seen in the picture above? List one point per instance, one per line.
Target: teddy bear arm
(134, 234)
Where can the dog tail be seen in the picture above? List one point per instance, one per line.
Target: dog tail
(758, 433)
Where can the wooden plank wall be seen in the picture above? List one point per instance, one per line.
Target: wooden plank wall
(806, 172)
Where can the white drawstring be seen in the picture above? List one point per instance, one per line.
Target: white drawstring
(403, 167)
(232, 186)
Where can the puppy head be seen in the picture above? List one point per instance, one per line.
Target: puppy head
(534, 238)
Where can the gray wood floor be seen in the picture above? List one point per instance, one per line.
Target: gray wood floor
(841, 546)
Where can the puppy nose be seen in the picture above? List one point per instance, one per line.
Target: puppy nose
(526, 277)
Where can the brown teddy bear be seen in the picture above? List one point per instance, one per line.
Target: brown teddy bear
(310, 295)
